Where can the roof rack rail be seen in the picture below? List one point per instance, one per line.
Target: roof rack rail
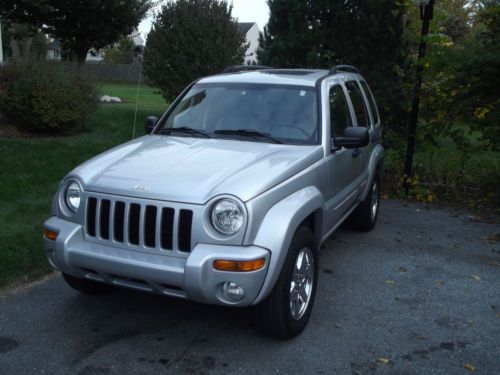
(244, 68)
(344, 68)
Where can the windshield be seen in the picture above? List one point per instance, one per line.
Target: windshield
(256, 112)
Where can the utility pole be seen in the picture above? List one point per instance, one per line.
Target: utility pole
(426, 15)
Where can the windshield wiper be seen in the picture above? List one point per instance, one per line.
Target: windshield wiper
(248, 133)
(185, 129)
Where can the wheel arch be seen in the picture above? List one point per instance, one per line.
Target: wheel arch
(375, 167)
(305, 207)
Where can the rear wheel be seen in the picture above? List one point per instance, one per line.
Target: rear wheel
(87, 286)
(365, 215)
(285, 312)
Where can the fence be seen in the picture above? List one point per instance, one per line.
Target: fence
(102, 71)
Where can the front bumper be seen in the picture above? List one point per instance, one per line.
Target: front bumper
(192, 277)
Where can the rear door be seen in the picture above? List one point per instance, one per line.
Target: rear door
(376, 126)
(363, 119)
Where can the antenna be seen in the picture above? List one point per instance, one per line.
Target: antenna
(137, 95)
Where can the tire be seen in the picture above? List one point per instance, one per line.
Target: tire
(87, 286)
(365, 215)
(277, 316)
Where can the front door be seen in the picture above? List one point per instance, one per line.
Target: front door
(343, 164)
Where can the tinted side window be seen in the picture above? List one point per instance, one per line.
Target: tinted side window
(340, 116)
(373, 106)
(358, 103)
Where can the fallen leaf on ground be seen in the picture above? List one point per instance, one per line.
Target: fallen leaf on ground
(402, 269)
(498, 314)
(337, 325)
(475, 277)
(494, 264)
(493, 238)
(390, 282)
(439, 283)
(383, 360)
(421, 338)
(469, 367)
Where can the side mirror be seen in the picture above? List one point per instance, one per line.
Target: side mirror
(150, 123)
(353, 138)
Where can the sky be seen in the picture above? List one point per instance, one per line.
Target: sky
(243, 10)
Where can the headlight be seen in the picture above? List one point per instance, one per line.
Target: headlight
(72, 196)
(227, 216)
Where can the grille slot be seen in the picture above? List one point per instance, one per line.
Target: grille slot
(137, 224)
(119, 221)
(91, 212)
(167, 228)
(150, 226)
(104, 219)
(133, 223)
(185, 222)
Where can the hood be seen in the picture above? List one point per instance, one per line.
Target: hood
(193, 170)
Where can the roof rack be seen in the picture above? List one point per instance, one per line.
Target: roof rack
(344, 68)
(244, 68)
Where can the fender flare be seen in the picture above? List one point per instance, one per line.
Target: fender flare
(375, 166)
(278, 228)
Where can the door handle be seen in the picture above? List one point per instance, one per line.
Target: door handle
(356, 153)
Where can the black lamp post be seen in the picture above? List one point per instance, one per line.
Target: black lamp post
(426, 15)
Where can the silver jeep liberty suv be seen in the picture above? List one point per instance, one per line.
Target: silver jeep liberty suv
(229, 197)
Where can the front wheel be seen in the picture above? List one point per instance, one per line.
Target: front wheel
(365, 215)
(285, 312)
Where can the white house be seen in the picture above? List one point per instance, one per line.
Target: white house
(54, 52)
(251, 32)
(54, 48)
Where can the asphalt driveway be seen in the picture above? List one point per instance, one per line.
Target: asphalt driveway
(418, 295)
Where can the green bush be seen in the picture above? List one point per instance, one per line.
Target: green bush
(42, 99)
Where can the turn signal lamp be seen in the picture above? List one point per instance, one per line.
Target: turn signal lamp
(50, 234)
(239, 265)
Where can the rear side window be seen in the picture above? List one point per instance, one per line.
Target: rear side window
(358, 103)
(373, 106)
(340, 116)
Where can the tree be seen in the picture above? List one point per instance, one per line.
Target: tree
(190, 39)
(319, 34)
(121, 53)
(477, 76)
(80, 25)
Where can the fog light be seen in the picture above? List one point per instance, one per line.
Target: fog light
(231, 292)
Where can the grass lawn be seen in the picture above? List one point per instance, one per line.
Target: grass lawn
(32, 168)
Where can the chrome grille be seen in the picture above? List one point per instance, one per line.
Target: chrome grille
(138, 224)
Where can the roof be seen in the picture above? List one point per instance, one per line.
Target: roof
(245, 27)
(298, 77)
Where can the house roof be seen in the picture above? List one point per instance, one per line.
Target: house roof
(244, 27)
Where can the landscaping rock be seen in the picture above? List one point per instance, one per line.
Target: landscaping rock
(110, 99)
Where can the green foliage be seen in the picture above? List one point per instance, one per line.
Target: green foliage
(22, 42)
(461, 78)
(80, 25)
(40, 99)
(31, 169)
(190, 39)
(121, 53)
(320, 34)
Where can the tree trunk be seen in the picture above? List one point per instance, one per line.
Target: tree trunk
(81, 55)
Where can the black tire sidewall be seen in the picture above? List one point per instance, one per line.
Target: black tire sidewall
(303, 238)
(373, 220)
